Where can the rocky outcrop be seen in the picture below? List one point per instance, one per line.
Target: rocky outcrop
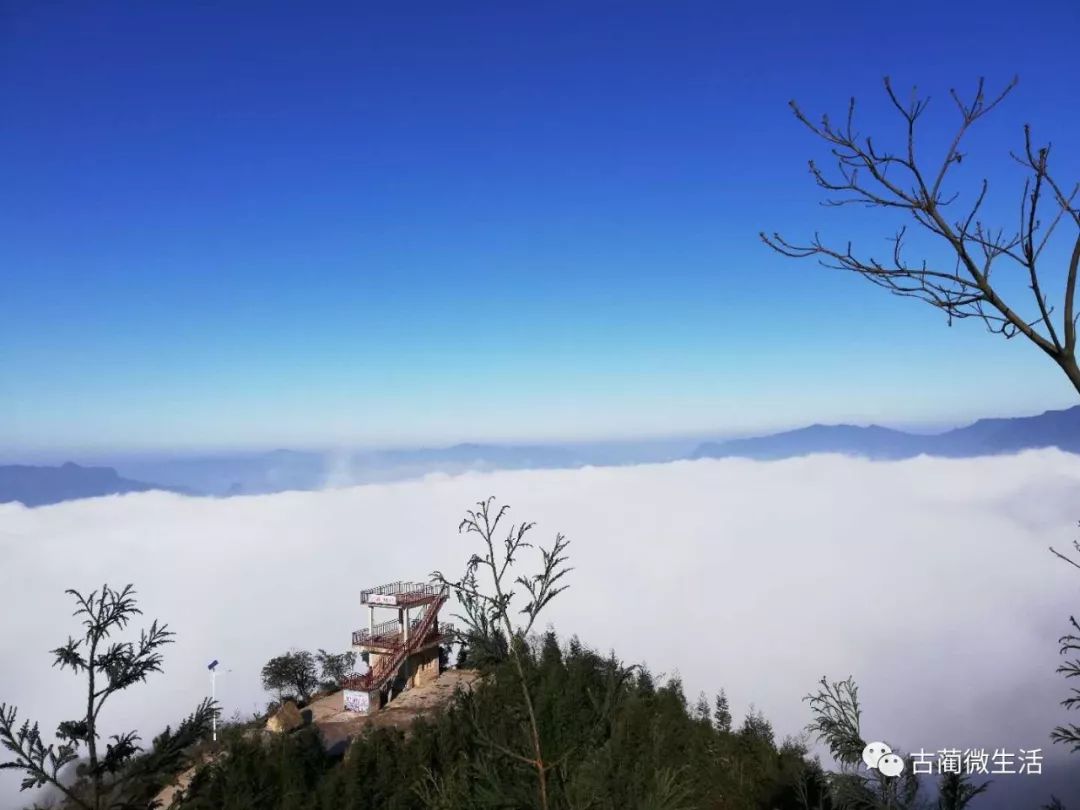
(285, 719)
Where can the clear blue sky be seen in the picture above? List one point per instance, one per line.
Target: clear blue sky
(267, 224)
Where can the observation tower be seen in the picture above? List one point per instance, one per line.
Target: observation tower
(403, 651)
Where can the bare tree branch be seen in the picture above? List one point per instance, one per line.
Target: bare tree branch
(879, 178)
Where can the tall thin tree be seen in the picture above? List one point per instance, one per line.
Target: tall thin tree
(110, 777)
(489, 608)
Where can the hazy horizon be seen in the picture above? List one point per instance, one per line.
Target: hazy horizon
(98, 455)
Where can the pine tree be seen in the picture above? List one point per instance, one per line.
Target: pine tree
(722, 713)
(701, 710)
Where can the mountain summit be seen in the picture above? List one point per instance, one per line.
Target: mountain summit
(985, 437)
(39, 486)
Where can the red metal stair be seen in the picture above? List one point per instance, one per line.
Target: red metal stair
(388, 665)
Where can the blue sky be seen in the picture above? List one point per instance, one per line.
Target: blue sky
(267, 224)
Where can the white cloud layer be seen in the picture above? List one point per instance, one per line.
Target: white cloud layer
(928, 580)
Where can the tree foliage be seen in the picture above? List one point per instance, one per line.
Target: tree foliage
(956, 791)
(722, 712)
(335, 666)
(837, 716)
(635, 746)
(291, 674)
(120, 776)
(1069, 733)
(487, 595)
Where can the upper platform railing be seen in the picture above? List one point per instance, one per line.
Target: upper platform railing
(397, 594)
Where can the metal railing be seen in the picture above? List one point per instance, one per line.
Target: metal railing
(383, 632)
(388, 665)
(388, 634)
(409, 591)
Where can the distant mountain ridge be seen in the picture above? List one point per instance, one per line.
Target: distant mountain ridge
(257, 473)
(1059, 429)
(40, 486)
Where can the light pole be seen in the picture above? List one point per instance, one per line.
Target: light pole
(212, 666)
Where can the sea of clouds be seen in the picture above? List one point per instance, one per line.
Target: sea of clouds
(928, 580)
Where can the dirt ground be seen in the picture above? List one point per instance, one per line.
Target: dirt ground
(169, 794)
(337, 727)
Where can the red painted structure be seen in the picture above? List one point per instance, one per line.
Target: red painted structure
(395, 640)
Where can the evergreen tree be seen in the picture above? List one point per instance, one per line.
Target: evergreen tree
(627, 746)
(955, 791)
(701, 710)
(755, 727)
(722, 713)
(837, 716)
